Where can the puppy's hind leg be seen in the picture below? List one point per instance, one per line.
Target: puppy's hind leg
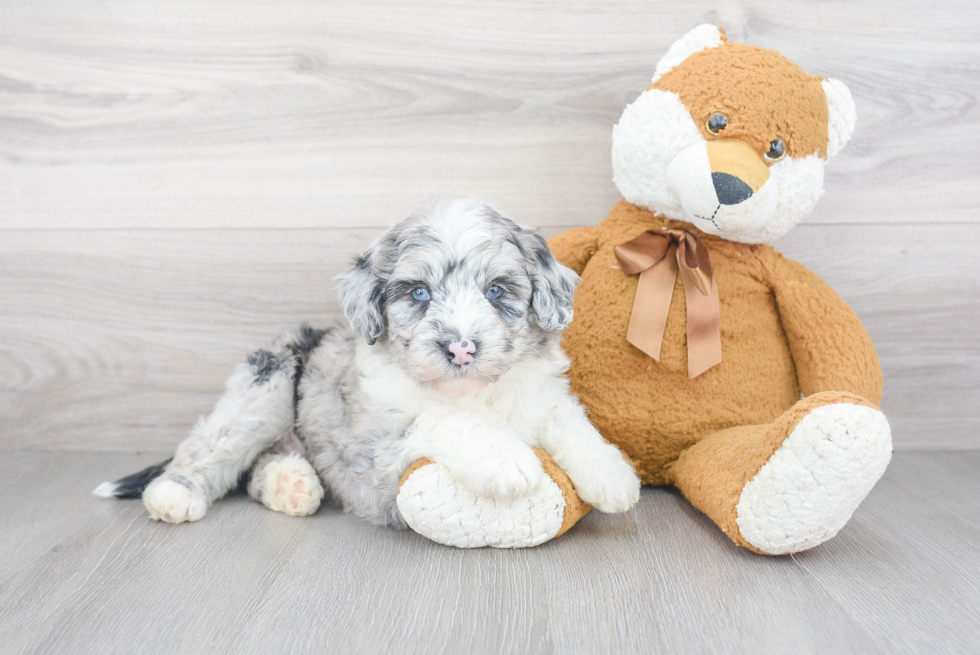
(284, 481)
(255, 410)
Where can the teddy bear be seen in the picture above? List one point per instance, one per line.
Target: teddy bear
(714, 363)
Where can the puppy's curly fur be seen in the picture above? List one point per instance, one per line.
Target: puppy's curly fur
(452, 353)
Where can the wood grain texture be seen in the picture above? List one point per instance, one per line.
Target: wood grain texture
(85, 575)
(238, 113)
(178, 186)
(120, 339)
(921, 306)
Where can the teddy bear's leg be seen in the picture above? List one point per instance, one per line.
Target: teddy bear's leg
(792, 484)
(436, 506)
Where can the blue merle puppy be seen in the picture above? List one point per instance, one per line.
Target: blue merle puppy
(451, 353)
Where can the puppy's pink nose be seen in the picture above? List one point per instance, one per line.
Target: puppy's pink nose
(460, 352)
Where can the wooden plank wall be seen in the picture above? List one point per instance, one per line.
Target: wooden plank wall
(179, 182)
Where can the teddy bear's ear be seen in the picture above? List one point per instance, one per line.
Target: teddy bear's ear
(841, 115)
(700, 38)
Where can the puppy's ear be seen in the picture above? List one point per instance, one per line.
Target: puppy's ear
(362, 297)
(553, 284)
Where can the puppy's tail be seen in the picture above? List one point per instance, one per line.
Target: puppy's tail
(131, 486)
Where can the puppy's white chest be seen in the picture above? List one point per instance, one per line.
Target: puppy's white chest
(505, 407)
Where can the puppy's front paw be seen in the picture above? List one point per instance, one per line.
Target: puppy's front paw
(608, 483)
(510, 472)
(174, 500)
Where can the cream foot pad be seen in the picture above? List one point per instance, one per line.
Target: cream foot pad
(809, 488)
(438, 507)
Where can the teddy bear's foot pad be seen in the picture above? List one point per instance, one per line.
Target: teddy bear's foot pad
(808, 489)
(436, 506)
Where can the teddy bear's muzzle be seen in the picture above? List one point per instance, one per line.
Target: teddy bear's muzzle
(723, 186)
(739, 168)
(729, 189)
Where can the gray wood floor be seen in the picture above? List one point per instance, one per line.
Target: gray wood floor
(85, 575)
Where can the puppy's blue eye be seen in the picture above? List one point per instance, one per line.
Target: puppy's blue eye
(420, 295)
(494, 292)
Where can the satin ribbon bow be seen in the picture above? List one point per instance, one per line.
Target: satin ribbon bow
(656, 255)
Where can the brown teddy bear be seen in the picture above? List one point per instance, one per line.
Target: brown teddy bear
(714, 363)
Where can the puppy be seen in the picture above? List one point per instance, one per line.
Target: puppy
(452, 353)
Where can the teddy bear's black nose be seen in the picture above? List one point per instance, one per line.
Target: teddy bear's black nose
(730, 189)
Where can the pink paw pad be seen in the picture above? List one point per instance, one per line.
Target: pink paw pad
(296, 492)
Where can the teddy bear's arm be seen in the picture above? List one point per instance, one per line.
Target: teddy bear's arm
(830, 347)
(574, 248)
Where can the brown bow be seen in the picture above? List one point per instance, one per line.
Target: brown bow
(650, 255)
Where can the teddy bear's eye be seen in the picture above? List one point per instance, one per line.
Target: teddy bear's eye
(716, 123)
(777, 149)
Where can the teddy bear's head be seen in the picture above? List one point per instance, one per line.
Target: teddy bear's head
(731, 138)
